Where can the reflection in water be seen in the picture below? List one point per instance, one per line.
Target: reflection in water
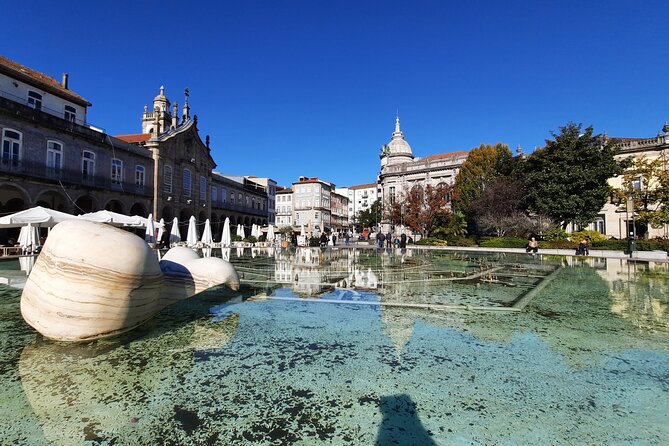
(401, 425)
(586, 359)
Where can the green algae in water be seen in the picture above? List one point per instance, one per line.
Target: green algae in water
(585, 363)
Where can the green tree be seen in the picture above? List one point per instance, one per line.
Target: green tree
(646, 182)
(422, 208)
(567, 180)
(483, 165)
(369, 217)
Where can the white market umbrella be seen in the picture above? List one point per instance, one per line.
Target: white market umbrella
(225, 235)
(175, 236)
(150, 233)
(26, 263)
(207, 238)
(40, 216)
(206, 252)
(270, 233)
(29, 238)
(302, 233)
(191, 235)
(114, 218)
(161, 229)
(225, 254)
(240, 231)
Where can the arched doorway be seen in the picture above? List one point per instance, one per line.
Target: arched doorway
(167, 214)
(139, 209)
(85, 204)
(52, 200)
(115, 206)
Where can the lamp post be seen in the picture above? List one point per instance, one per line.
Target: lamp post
(631, 234)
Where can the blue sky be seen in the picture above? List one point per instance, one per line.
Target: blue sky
(312, 87)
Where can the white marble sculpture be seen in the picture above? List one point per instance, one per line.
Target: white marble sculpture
(93, 280)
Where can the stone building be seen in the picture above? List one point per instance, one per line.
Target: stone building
(400, 170)
(51, 156)
(361, 197)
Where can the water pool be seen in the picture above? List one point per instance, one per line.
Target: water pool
(327, 347)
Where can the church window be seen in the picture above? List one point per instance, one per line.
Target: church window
(167, 179)
(203, 188)
(187, 185)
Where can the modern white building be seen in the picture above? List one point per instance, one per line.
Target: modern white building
(360, 198)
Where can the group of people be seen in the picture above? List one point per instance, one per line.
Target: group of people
(387, 239)
(582, 250)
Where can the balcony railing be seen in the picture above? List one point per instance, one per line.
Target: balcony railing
(40, 171)
(238, 208)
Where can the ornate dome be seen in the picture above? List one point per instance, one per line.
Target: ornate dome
(398, 146)
(161, 97)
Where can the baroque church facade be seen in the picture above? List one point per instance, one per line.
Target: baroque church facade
(53, 157)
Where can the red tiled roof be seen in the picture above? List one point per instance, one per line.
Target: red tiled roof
(38, 79)
(363, 186)
(135, 137)
(287, 190)
(445, 155)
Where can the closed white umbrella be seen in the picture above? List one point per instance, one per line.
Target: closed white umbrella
(302, 233)
(225, 254)
(150, 233)
(191, 235)
(161, 229)
(225, 236)
(241, 232)
(207, 238)
(175, 235)
(270, 233)
(29, 238)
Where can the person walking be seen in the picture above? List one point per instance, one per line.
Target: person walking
(347, 238)
(403, 241)
(380, 238)
(389, 240)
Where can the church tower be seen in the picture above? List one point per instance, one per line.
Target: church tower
(398, 150)
(159, 119)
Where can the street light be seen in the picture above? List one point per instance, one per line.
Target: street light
(631, 235)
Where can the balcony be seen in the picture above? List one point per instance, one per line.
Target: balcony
(40, 171)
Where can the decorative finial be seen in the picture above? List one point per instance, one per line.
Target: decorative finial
(665, 128)
(519, 149)
(186, 93)
(146, 108)
(206, 141)
(162, 90)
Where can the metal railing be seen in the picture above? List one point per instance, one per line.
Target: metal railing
(41, 171)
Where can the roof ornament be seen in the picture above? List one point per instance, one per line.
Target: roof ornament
(162, 90)
(665, 128)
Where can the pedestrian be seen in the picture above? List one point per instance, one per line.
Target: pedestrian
(380, 238)
(347, 238)
(532, 246)
(389, 240)
(583, 248)
(334, 239)
(403, 240)
(324, 240)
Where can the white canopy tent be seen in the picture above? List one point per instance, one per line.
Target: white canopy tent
(38, 216)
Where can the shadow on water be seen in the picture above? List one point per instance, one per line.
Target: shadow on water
(401, 425)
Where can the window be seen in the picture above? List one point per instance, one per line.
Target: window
(637, 183)
(224, 194)
(232, 198)
(203, 188)
(187, 183)
(87, 164)
(54, 156)
(70, 113)
(392, 194)
(11, 146)
(167, 180)
(35, 100)
(116, 171)
(599, 224)
(214, 194)
(140, 175)
(239, 199)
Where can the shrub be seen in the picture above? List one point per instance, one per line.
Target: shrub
(555, 234)
(251, 239)
(587, 234)
(559, 244)
(262, 238)
(431, 241)
(504, 242)
(235, 238)
(461, 241)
